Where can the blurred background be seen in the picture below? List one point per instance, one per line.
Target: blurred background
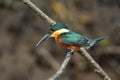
(21, 29)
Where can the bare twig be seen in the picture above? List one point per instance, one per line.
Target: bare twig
(39, 12)
(94, 65)
(84, 53)
(63, 66)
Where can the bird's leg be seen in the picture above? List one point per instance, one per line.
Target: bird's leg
(68, 50)
(71, 51)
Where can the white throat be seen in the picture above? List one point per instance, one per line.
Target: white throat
(58, 32)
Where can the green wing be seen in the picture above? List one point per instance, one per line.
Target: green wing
(73, 38)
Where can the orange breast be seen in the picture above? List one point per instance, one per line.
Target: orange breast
(58, 40)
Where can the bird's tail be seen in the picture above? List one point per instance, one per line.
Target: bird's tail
(99, 39)
(93, 41)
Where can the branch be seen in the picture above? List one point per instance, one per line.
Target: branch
(39, 12)
(84, 53)
(63, 66)
(94, 65)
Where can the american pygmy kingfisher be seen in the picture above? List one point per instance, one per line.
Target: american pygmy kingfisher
(68, 38)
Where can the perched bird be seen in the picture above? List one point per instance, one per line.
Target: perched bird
(68, 38)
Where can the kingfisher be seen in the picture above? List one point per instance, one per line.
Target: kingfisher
(68, 38)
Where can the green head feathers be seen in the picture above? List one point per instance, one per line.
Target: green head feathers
(58, 26)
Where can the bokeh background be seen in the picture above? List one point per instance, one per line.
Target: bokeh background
(21, 29)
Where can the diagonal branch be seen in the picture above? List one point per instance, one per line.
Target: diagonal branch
(63, 66)
(39, 12)
(84, 53)
(94, 65)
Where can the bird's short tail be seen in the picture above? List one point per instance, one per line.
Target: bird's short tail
(93, 41)
(99, 39)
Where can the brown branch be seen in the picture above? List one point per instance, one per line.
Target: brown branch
(63, 66)
(84, 53)
(39, 12)
(94, 65)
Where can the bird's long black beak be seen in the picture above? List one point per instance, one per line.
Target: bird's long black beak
(44, 38)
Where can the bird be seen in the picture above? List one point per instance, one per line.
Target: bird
(68, 38)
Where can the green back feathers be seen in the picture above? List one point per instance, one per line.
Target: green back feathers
(73, 38)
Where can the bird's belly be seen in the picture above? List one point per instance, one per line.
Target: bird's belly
(58, 40)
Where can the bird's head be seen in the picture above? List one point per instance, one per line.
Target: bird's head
(55, 30)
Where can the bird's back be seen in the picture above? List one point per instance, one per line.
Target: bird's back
(73, 38)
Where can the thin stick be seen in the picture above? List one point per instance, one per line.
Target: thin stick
(63, 66)
(39, 12)
(84, 53)
(94, 65)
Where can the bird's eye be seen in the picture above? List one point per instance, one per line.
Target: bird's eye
(51, 29)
